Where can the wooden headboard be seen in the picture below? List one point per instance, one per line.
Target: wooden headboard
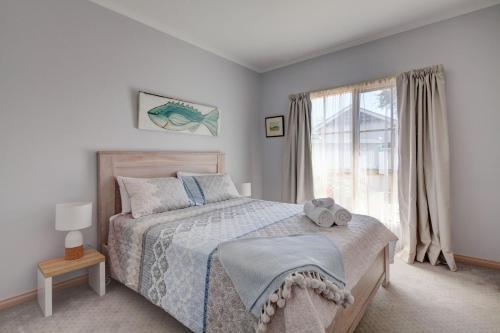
(142, 164)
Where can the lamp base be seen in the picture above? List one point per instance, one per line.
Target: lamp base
(73, 244)
(72, 253)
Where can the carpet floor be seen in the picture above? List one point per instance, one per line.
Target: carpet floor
(420, 298)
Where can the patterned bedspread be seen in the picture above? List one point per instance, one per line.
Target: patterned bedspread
(171, 258)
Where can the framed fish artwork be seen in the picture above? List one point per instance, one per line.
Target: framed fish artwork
(159, 113)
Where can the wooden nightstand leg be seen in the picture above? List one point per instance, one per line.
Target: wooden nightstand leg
(44, 293)
(96, 278)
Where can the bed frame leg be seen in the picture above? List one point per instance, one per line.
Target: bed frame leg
(385, 283)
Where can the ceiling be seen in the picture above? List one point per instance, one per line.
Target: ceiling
(267, 34)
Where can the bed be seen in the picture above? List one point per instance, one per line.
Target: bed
(212, 305)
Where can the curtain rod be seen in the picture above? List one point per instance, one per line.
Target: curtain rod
(393, 76)
(347, 85)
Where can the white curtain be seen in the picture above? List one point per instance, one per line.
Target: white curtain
(332, 147)
(377, 164)
(354, 148)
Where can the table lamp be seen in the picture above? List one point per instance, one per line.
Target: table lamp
(72, 217)
(245, 189)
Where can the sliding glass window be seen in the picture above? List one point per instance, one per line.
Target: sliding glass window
(354, 148)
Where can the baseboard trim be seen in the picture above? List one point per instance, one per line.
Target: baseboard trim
(477, 261)
(32, 294)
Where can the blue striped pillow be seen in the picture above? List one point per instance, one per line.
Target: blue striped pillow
(193, 190)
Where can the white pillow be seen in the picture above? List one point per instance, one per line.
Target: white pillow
(155, 195)
(125, 198)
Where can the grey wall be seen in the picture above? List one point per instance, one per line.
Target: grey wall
(69, 74)
(70, 70)
(469, 48)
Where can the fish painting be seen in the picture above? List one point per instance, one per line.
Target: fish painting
(177, 116)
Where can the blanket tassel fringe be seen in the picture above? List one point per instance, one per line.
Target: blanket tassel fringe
(311, 280)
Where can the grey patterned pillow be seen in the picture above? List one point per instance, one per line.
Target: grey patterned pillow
(217, 187)
(155, 195)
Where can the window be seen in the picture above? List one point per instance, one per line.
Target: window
(354, 148)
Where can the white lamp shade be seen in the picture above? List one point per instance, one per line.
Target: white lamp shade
(73, 216)
(245, 189)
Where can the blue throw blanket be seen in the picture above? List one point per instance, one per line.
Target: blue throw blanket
(264, 269)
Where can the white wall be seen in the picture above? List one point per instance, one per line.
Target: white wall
(469, 48)
(69, 75)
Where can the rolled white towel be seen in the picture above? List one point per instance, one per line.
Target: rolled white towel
(341, 216)
(323, 202)
(319, 215)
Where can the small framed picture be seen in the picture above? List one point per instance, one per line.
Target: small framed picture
(275, 126)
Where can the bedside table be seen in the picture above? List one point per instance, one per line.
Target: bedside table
(92, 259)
